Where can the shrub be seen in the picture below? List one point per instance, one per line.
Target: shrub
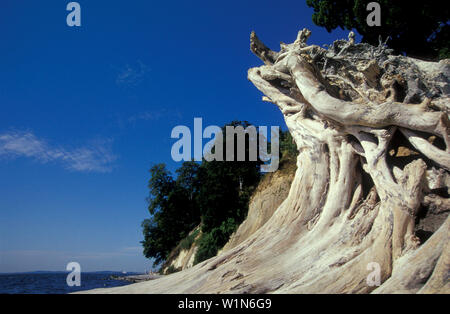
(172, 270)
(187, 242)
(211, 242)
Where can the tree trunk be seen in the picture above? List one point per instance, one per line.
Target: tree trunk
(354, 200)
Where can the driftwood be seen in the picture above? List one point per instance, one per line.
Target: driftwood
(355, 200)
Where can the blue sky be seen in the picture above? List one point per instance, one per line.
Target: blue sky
(85, 111)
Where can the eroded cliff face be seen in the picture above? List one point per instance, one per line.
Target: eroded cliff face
(354, 201)
(182, 258)
(270, 193)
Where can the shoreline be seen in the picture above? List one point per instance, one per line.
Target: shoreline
(136, 278)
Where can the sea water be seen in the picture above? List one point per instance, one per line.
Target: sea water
(55, 282)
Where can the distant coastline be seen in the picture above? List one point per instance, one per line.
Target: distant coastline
(54, 282)
(136, 278)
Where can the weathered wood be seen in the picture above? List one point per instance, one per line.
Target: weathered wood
(351, 203)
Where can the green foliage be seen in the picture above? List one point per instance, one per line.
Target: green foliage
(187, 242)
(173, 211)
(171, 269)
(211, 242)
(420, 29)
(214, 193)
(226, 187)
(288, 148)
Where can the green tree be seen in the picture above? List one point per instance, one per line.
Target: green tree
(210, 243)
(224, 195)
(214, 193)
(172, 209)
(227, 186)
(419, 30)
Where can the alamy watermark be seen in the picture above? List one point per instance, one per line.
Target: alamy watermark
(74, 277)
(74, 17)
(213, 150)
(374, 278)
(374, 17)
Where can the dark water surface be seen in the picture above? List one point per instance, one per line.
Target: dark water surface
(55, 282)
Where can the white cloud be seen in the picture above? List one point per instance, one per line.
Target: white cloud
(96, 157)
(132, 75)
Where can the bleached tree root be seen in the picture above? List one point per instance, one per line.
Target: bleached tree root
(353, 201)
